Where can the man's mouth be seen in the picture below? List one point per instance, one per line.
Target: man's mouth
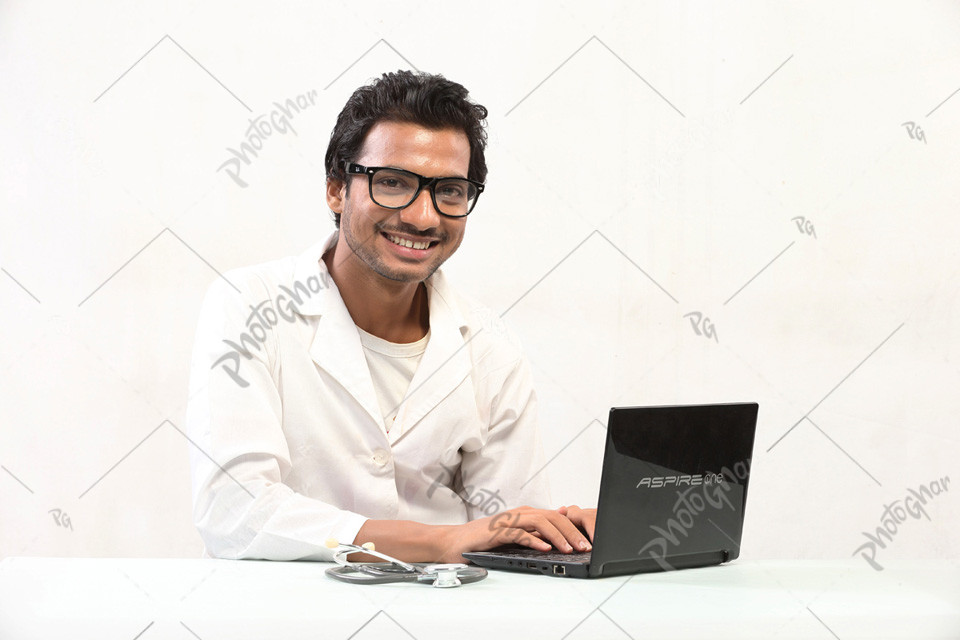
(409, 244)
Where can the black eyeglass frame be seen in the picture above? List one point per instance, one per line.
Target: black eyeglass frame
(354, 169)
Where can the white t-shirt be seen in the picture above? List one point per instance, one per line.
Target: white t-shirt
(392, 366)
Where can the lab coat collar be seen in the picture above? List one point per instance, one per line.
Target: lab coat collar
(311, 270)
(336, 345)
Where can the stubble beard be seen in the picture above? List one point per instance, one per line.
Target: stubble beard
(363, 250)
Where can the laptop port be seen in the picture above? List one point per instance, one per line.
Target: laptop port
(559, 570)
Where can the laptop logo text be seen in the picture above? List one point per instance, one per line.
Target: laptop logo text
(656, 482)
(690, 504)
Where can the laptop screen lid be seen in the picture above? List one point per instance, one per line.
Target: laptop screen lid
(673, 487)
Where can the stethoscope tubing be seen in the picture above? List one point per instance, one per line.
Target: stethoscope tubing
(393, 570)
(369, 573)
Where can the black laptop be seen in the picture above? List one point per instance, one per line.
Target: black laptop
(672, 494)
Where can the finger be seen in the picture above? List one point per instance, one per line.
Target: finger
(558, 529)
(584, 518)
(569, 527)
(589, 525)
(522, 537)
(552, 526)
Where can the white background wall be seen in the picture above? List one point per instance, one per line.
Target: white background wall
(648, 161)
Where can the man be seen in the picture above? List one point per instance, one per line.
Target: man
(350, 392)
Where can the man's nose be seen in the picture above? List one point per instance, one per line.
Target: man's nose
(421, 213)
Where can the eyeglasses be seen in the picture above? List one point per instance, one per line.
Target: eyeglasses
(397, 189)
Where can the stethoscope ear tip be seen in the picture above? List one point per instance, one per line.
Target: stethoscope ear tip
(333, 543)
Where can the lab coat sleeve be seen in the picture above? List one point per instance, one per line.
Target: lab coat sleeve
(506, 471)
(238, 453)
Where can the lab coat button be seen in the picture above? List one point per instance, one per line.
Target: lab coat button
(380, 457)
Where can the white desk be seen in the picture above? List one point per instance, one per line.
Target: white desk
(149, 599)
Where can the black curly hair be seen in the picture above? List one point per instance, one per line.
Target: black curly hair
(429, 100)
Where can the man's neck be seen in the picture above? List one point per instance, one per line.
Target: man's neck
(394, 311)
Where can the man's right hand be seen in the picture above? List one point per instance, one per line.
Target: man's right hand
(539, 529)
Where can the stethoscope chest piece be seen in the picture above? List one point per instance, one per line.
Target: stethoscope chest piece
(447, 575)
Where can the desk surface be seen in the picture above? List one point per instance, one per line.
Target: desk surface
(149, 599)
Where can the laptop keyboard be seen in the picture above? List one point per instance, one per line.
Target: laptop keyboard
(547, 556)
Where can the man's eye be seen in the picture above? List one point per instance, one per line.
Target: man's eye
(393, 183)
(451, 191)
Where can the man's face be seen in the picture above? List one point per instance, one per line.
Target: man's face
(375, 234)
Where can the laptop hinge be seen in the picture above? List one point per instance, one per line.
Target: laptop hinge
(670, 563)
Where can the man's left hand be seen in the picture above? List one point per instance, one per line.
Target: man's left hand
(586, 519)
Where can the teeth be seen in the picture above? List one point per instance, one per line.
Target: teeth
(403, 242)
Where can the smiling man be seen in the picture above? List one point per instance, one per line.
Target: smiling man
(362, 398)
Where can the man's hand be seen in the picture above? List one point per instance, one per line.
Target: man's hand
(586, 519)
(539, 529)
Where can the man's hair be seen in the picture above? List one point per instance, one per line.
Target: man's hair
(428, 100)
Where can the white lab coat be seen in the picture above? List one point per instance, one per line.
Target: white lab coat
(289, 446)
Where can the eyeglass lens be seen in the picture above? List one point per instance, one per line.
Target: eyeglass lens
(397, 188)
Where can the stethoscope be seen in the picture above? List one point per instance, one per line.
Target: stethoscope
(393, 570)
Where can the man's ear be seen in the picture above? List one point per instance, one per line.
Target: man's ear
(336, 194)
